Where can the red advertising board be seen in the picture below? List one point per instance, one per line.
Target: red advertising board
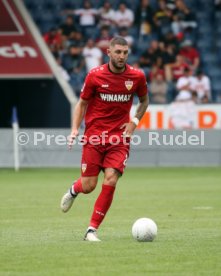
(20, 55)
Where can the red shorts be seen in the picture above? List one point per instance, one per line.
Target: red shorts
(98, 157)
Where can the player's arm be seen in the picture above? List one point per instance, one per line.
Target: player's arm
(87, 92)
(79, 113)
(141, 109)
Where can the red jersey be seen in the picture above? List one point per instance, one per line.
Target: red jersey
(178, 70)
(190, 54)
(110, 96)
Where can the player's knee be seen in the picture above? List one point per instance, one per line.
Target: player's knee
(89, 185)
(110, 180)
(88, 189)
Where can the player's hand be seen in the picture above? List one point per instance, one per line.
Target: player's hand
(128, 129)
(72, 137)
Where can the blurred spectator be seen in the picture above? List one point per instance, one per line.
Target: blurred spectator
(165, 57)
(129, 38)
(149, 57)
(68, 26)
(185, 82)
(53, 39)
(169, 54)
(217, 4)
(145, 60)
(73, 61)
(163, 17)
(124, 17)
(201, 85)
(92, 55)
(87, 14)
(137, 65)
(176, 70)
(144, 17)
(186, 16)
(106, 15)
(161, 12)
(77, 38)
(195, 97)
(103, 40)
(204, 99)
(177, 27)
(170, 39)
(157, 69)
(182, 111)
(158, 89)
(171, 4)
(190, 54)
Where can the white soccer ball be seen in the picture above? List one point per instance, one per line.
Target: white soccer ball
(144, 230)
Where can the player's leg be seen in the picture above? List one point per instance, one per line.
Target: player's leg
(90, 168)
(103, 202)
(83, 185)
(114, 164)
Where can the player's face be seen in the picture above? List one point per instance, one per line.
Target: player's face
(118, 56)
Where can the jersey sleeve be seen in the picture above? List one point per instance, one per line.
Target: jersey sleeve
(88, 89)
(142, 86)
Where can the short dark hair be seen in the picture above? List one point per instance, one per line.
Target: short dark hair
(118, 40)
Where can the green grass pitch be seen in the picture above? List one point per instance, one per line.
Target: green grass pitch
(36, 238)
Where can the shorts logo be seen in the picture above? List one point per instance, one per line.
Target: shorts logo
(83, 167)
(129, 84)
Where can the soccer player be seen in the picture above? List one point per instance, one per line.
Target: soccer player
(105, 102)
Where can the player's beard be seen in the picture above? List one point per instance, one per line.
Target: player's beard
(116, 65)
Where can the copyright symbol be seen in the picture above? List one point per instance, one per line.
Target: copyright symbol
(22, 138)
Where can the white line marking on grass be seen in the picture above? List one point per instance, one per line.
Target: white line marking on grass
(202, 207)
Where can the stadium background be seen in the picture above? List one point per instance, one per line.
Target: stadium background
(36, 239)
(44, 100)
(54, 108)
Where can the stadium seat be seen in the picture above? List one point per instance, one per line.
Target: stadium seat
(218, 30)
(213, 70)
(96, 3)
(217, 15)
(205, 29)
(191, 4)
(216, 88)
(218, 52)
(202, 15)
(154, 4)
(132, 4)
(68, 4)
(204, 43)
(134, 31)
(114, 3)
(206, 6)
(209, 58)
(91, 32)
(218, 42)
(141, 47)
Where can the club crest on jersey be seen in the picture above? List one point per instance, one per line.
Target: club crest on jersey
(83, 167)
(129, 84)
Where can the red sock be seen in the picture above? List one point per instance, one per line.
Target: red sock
(102, 205)
(77, 187)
